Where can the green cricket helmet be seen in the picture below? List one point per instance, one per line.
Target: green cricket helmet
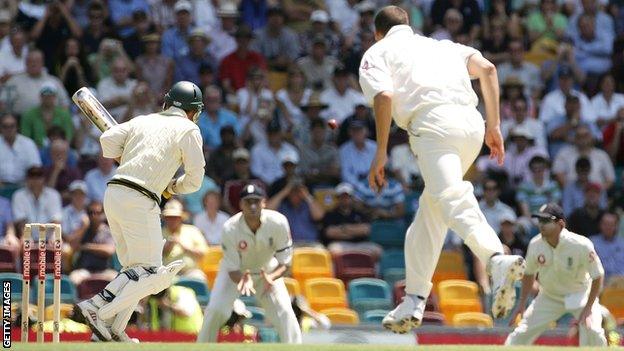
(187, 96)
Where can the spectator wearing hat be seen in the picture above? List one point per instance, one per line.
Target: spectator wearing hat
(74, 214)
(607, 102)
(553, 103)
(341, 98)
(122, 14)
(361, 113)
(153, 67)
(517, 66)
(602, 171)
(320, 26)
(97, 177)
(585, 219)
(346, 228)
(223, 36)
(319, 157)
(574, 192)
(265, 156)
(609, 246)
(36, 203)
(7, 228)
(220, 162)
(17, 154)
(290, 161)
(61, 173)
(312, 108)
(614, 139)
(521, 150)
(278, 43)
(511, 238)
(183, 241)
(538, 189)
(520, 118)
(141, 26)
(492, 207)
(561, 129)
(187, 66)
(356, 154)
(26, 87)
(234, 68)
(290, 98)
(317, 67)
(36, 121)
(214, 117)
(174, 39)
(13, 57)
(211, 219)
(115, 91)
(241, 176)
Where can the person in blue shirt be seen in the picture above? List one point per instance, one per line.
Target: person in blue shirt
(174, 39)
(215, 117)
(187, 66)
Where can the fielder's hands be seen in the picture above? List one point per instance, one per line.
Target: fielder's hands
(267, 280)
(245, 285)
(494, 140)
(585, 317)
(376, 174)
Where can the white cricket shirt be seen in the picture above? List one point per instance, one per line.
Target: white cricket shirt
(420, 72)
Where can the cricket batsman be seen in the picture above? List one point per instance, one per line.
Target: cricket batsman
(257, 250)
(149, 149)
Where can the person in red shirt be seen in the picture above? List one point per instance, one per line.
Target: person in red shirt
(613, 138)
(234, 67)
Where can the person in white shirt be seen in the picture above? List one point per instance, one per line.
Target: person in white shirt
(265, 157)
(115, 91)
(257, 251)
(424, 85)
(17, 152)
(36, 203)
(553, 103)
(97, 178)
(150, 150)
(521, 118)
(13, 60)
(570, 280)
(340, 98)
(607, 102)
(210, 221)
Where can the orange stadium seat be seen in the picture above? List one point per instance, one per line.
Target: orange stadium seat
(323, 293)
(472, 319)
(457, 296)
(311, 263)
(293, 286)
(342, 316)
(613, 299)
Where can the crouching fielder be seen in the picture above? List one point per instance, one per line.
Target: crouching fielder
(257, 250)
(150, 150)
(570, 279)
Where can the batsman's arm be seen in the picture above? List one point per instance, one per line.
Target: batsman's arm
(113, 140)
(194, 163)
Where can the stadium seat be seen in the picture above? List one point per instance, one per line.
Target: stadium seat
(91, 286)
(8, 259)
(392, 266)
(323, 293)
(257, 315)
(293, 286)
(326, 198)
(457, 296)
(367, 294)
(613, 299)
(311, 263)
(375, 316)
(249, 300)
(354, 264)
(339, 315)
(277, 80)
(16, 284)
(389, 234)
(268, 335)
(209, 264)
(472, 320)
(433, 318)
(68, 290)
(199, 286)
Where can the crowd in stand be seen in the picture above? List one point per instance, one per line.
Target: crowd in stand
(273, 73)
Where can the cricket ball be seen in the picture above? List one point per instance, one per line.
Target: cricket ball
(332, 123)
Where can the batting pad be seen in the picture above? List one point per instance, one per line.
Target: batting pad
(134, 291)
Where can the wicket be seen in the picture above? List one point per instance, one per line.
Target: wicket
(42, 229)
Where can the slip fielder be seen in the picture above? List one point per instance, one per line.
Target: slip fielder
(257, 250)
(150, 149)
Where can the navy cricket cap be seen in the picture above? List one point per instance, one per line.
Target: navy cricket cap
(252, 191)
(550, 211)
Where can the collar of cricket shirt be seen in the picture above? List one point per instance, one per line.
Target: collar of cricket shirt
(402, 28)
(174, 111)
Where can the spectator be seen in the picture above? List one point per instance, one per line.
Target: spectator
(115, 91)
(607, 102)
(584, 220)
(220, 163)
(494, 210)
(604, 22)
(302, 211)
(312, 109)
(353, 57)
(72, 66)
(614, 139)
(8, 237)
(276, 42)
(388, 204)
(340, 97)
(174, 309)
(194, 202)
(547, 22)
(162, 14)
(319, 158)
(289, 160)
(561, 129)
(25, 87)
(37, 120)
(255, 105)
(574, 192)
(510, 236)
(537, 190)
(153, 67)
(36, 203)
(361, 113)
(187, 66)
(6, 18)
(318, 67)
(210, 221)
(553, 104)
(56, 133)
(265, 156)
(234, 68)
(122, 13)
(13, 59)
(468, 8)
(405, 166)
(17, 154)
(452, 26)
(320, 26)
(495, 45)
(174, 40)
(602, 171)
(291, 98)
(108, 52)
(345, 228)
(183, 241)
(214, 118)
(223, 42)
(592, 49)
(520, 118)
(357, 154)
(141, 26)
(609, 246)
(97, 28)
(61, 173)
(93, 247)
(344, 14)
(75, 214)
(242, 176)
(142, 102)
(520, 152)
(97, 178)
(528, 73)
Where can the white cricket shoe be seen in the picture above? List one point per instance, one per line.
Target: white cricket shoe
(86, 312)
(123, 337)
(504, 270)
(405, 316)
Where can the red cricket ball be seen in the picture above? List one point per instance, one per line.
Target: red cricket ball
(332, 123)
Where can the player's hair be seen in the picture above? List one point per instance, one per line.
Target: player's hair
(389, 17)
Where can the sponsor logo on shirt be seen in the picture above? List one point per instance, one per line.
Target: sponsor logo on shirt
(242, 245)
(541, 259)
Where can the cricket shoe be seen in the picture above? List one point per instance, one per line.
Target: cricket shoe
(504, 271)
(86, 312)
(405, 316)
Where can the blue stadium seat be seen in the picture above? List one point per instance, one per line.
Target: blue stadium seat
(257, 315)
(268, 334)
(367, 294)
(389, 234)
(68, 290)
(16, 285)
(374, 316)
(199, 286)
(392, 266)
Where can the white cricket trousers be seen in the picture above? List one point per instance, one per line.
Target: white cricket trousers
(543, 311)
(446, 141)
(276, 304)
(134, 220)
